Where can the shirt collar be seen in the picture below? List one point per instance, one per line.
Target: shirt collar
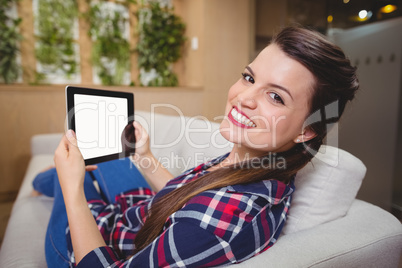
(272, 190)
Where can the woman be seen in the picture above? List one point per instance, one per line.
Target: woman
(233, 207)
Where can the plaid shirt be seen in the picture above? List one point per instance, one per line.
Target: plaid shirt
(216, 227)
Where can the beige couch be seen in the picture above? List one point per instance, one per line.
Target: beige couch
(327, 226)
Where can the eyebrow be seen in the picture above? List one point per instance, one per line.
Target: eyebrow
(271, 84)
(250, 70)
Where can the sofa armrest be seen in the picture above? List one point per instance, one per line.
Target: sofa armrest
(367, 236)
(45, 143)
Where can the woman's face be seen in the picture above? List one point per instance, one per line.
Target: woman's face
(267, 106)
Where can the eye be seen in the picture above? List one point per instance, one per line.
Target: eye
(248, 78)
(276, 98)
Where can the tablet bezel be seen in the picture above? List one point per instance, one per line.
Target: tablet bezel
(73, 90)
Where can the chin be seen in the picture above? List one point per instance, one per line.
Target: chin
(225, 125)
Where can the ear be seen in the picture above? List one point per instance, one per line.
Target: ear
(306, 135)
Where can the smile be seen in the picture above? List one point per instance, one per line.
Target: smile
(239, 119)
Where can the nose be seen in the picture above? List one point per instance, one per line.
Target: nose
(247, 98)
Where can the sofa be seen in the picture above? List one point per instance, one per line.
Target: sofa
(327, 226)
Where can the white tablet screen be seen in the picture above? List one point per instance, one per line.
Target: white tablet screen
(99, 122)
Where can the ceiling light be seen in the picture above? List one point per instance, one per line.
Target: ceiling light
(345, 1)
(363, 14)
(388, 8)
(330, 18)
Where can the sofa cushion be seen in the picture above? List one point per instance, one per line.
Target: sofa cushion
(325, 189)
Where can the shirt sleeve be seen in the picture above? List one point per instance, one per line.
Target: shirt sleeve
(182, 244)
(119, 222)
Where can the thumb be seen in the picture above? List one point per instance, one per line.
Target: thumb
(70, 134)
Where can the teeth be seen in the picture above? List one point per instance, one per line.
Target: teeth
(242, 119)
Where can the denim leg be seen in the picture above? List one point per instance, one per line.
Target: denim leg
(55, 242)
(47, 183)
(113, 177)
(44, 182)
(117, 176)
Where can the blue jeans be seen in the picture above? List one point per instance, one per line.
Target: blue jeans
(113, 178)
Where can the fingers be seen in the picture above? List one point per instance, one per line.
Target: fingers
(62, 149)
(140, 132)
(71, 137)
(138, 129)
(72, 142)
(67, 145)
(91, 168)
(142, 140)
(137, 126)
(70, 164)
(128, 138)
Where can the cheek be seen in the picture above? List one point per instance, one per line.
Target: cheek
(232, 94)
(289, 127)
(234, 90)
(278, 128)
(225, 130)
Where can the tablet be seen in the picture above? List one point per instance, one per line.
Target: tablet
(102, 121)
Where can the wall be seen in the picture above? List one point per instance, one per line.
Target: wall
(225, 45)
(369, 129)
(224, 33)
(270, 15)
(227, 42)
(190, 67)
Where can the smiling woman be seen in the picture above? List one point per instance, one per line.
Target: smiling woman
(273, 95)
(228, 209)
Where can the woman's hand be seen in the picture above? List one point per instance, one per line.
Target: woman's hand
(142, 148)
(155, 173)
(70, 164)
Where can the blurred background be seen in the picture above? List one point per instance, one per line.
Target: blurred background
(187, 54)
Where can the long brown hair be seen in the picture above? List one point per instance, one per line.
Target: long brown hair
(335, 81)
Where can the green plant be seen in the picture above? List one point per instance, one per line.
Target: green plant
(111, 49)
(161, 37)
(9, 36)
(55, 47)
